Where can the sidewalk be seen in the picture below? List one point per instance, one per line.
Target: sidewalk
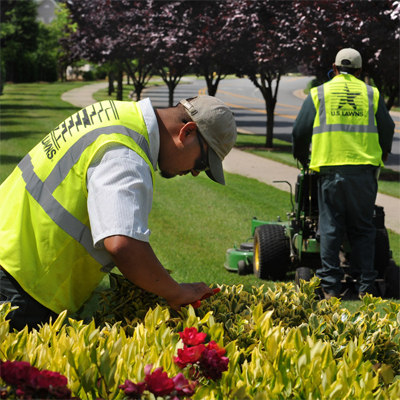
(250, 165)
(268, 171)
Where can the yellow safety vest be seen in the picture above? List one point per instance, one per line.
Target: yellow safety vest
(45, 237)
(345, 130)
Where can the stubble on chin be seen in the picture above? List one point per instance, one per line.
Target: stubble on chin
(166, 175)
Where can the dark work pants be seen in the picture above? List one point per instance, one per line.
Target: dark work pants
(29, 311)
(346, 200)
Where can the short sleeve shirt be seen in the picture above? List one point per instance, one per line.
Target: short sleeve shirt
(120, 187)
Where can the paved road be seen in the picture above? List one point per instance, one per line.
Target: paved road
(237, 161)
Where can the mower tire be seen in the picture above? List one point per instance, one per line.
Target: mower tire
(271, 252)
(392, 280)
(302, 273)
(382, 251)
(242, 267)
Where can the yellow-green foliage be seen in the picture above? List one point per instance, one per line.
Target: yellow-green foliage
(281, 344)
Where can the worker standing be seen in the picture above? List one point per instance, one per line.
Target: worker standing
(78, 204)
(351, 133)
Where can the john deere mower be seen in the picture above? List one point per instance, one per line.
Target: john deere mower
(278, 247)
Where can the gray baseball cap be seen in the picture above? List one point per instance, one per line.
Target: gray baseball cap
(216, 124)
(348, 58)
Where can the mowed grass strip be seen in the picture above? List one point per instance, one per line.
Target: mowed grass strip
(28, 112)
(193, 221)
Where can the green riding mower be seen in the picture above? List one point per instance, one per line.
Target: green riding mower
(278, 247)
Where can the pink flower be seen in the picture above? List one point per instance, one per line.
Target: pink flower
(183, 387)
(191, 337)
(158, 383)
(189, 355)
(133, 390)
(147, 369)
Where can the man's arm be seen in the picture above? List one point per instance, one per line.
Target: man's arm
(138, 263)
(302, 131)
(385, 126)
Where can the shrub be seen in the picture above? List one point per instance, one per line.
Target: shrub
(88, 75)
(279, 344)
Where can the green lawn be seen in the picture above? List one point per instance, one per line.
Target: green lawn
(193, 221)
(28, 113)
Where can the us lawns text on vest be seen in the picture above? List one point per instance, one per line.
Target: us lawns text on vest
(51, 141)
(347, 113)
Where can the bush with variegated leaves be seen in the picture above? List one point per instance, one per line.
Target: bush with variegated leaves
(280, 344)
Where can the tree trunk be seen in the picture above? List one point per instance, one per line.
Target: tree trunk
(270, 124)
(212, 86)
(110, 83)
(393, 94)
(138, 91)
(120, 89)
(171, 90)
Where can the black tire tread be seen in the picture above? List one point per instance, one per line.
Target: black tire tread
(382, 251)
(392, 280)
(273, 252)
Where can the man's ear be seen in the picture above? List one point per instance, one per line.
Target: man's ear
(188, 129)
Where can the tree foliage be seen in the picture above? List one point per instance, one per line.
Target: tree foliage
(18, 39)
(171, 40)
(215, 51)
(112, 31)
(271, 46)
(371, 27)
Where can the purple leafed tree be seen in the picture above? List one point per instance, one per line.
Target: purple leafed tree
(112, 31)
(371, 27)
(215, 49)
(270, 46)
(170, 40)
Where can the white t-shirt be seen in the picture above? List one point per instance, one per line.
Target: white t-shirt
(120, 187)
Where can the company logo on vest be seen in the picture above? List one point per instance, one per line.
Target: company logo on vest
(346, 102)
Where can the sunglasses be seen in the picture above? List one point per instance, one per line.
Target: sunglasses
(201, 164)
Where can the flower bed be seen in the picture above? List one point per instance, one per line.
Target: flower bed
(279, 344)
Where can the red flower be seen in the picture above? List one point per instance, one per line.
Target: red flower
(158, 383)
(214, 346)
(189, 355)
(191, 337)
(212, 365)
(46, 378)
(183, 387)
(133, 390)
(17, 372)
(32, 383)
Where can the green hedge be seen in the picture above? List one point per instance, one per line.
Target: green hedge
(281, 344)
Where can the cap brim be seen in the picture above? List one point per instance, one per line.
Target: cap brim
(216, 171)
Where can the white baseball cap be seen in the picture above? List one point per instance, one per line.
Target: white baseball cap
(216, 124)
(348, 58)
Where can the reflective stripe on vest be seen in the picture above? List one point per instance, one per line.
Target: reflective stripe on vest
(42, 191)
(325, 127)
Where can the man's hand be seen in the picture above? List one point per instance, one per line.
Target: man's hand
(188, 293)
(137, 261)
